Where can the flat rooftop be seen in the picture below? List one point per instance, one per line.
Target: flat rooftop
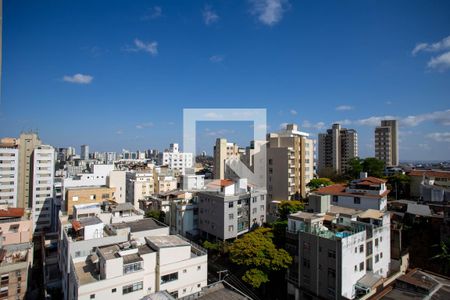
(167, 241)
(86, 272)
(140, 225)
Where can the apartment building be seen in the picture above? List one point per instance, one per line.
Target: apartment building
(336, 147)
(165, 183)
(9, 172)
(192, 182)
(386, 142)
(85, 152)
(87, 195)
(118, 179)
(27, 142)
(339, 254)
(176, 160)
(134, 269)
(229, 209)
(139, 185)
(16, 232)
(223, 150)
(42, 187)
(363, 193)
(108, 212)
(290, 164)
(98, 177)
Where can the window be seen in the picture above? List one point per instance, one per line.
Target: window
(356, 249)
(331, 254)
(184, 291)
(105, 196)
(92, 296)
(14, 228)
(361, 248)
(113, 290)
(92, 197)
(184, 271)
(377, 258)
(169, 277)
(198, 285)
(376, 242)
(361, 266)
(357, 200)
(74, 198)
(381, 254)
(262, 207)
(381, 239)
(199, 268)
(134, 287)
(306, 263)
(230, 228)
(230, 216)
(230, 204)
(254, 199)
(356, 268)
(130, 268)
(335, 199)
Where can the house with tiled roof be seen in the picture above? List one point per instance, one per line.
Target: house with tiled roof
(430, 185)
(363, 193)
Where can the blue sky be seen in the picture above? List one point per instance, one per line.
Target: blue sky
(117, 74)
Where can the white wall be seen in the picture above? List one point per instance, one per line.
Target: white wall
(350, 258)
(365, 203)
(10, 158)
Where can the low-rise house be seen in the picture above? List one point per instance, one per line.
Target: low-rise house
(430, 185)
(364, 193)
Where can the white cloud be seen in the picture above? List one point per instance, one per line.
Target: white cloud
(316, 126)
(139, 45)
(344, 107)
(144, 125)
(293, 112)
(216, 58)
(78, 78)
(119, 132)
(343, 122)
(209, 16)
(440, 117)
(153, 13)
(218, 133)
(269, 12)
(388, 102)
(424, 146)
(441, 62)
(442, 45)
(439, 136)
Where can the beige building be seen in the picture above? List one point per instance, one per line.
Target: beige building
(87, 195)
(139, 185)
(223, 150)
(27, 143)
(290, 163)
(386, 142)
(336, 147)
(17, 252)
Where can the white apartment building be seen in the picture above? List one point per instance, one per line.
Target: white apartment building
(339, 254)
(229, 209)
(118, 179)
(42, 187)
(363, 193)
(127, 260)
(193, 182)
(9, 170)
(176, 160)
(139, 185)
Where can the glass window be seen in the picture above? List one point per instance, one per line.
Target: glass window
(133, 287)
(169, 277)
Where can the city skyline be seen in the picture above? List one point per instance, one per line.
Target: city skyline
(116, 78)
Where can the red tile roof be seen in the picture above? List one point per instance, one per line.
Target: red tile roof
(12, 212)
(430, 173)
(339, 190)
(372, 180)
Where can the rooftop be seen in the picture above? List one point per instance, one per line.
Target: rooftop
(12, 212)
(430, 173)
(167, 241)
(140, 225)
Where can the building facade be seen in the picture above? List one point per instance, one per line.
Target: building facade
(230, 210)
(9, 174)
(335, 148)
(140, 185)
(43, 187)
(223, 150)
(386, 142)
(27, 143)
(176, 160)
(290, 164)
(87, 195)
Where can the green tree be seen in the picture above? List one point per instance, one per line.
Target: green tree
(444, 257)
(355, 167)
(399, 184)
(373, 167)
(316, 183)
(259, 255)
(288, 207)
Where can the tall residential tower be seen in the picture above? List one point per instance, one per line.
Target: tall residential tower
(336, 147)
(386, 142)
